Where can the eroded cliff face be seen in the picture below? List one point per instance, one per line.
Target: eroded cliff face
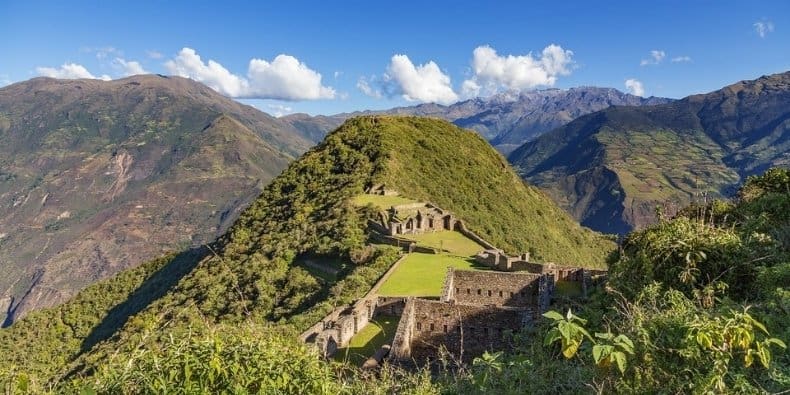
(96, 177)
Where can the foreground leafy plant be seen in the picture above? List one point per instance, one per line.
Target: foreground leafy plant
(727, 338)
(568, 330)
(613, 351)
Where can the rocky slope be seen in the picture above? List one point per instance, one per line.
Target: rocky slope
(98, 176)
(611, 169)
(507, 120)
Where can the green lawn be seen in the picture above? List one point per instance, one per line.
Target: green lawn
(452, 241)
(382, 202)
(423, 274)
(378, 332)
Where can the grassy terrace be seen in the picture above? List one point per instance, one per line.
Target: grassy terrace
(382, 202)
(451, 241)
(423, 274)
(378, 332)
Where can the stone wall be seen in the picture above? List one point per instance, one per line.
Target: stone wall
(401, 343)
(337, 328)
(494, 288)
(390, 305)
(465, 331)
(460, 226)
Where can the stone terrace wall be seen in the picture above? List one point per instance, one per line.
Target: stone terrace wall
(401, 343)
(465, 331)
(460, 226)
(494, 288)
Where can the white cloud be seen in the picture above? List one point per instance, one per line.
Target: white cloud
(493, 73)
(338, 74)
(69, 71)
(656, 56)
(4, 80)
(762, 28)
(681, 59)
(188, 64)
(364, 85)
(154, 54)
(635, 87)
(279, 110)
(424, 83)
(284, 78)
(129, 68)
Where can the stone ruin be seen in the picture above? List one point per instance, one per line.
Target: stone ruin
(416, 218)
(477, 309)
(498, 260)
(382, 190)
(476, 312)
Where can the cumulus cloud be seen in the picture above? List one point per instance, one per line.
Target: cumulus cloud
(284, 78)
(656, 56)
(69, 71)
(423, 83)
(129, 68)
(635, 87)
(762, 28)
(493, 73)
(681, 59)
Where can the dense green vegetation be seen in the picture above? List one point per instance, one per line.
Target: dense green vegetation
(697, 303)
(253, 273)
(703, 298)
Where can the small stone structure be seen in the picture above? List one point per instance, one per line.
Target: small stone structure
(416, 218)
(476, 310)
(496, 259)
(382, 190)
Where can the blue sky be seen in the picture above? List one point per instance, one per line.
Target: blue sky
(330, 57)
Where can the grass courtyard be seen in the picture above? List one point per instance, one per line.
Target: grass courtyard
(453, 242)
(378, 332)
(423, 274)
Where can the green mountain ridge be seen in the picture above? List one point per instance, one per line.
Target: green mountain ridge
(610, 169)
(98, 176)
(253, 271)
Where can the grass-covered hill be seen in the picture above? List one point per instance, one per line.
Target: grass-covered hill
(252, 273)
(98, 176)
(610, 169)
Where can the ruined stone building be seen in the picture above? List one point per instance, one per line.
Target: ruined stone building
(477, 309)
(416, 218)
(475, 313)
(498, 260)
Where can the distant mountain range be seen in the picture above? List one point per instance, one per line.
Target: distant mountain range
(507, 120)
(99, 176)
(610, 169)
